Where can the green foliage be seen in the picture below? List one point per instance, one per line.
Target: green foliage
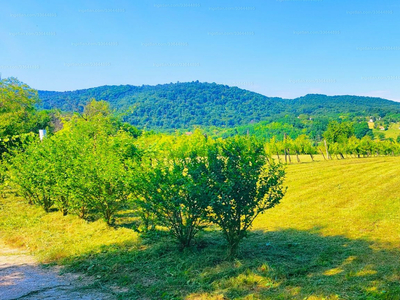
(18, 115)
(99, 176)
(105, 179)
(338, 132)
(96, 165)
(30, 173)
(17, 102)
(188, 179)
(361, 129)
(173, 186)
(242, 186)
(310, 246)
(82, 169)
(380, 136)
(186, 105)
(265, 130)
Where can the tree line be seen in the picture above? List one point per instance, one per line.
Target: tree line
(186, 105)
(96, 166)
(93, 165)
(339, 140)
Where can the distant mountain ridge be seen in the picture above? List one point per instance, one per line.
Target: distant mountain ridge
(183, 105)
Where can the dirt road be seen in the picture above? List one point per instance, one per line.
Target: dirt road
(21, 277)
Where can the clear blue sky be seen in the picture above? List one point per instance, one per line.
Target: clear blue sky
(285, 48)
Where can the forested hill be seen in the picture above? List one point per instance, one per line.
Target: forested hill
(182, 105)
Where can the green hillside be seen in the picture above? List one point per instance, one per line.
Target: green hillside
(334, 236)
(184, 105)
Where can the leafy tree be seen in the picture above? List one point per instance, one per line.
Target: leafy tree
(105, 179)
(338, 132)
(96, 180)
(274, 147)
(302, 145)
(361, 129)
(18, 115)
(173, 186)
(83, 168)
(380, 136)
(367, 146)
(353, 146)
(17, 102)
(305, 146)
(29, 171)
(96, 109)
(243, 186)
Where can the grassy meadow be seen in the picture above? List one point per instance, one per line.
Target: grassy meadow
(392, 132)
(335, 235)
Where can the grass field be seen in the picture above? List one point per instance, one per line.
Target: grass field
(336, 235)
(392, 132)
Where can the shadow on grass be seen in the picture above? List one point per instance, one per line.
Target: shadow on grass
(287, 264)
(126, 219)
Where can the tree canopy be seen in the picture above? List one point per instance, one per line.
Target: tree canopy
(186, 105)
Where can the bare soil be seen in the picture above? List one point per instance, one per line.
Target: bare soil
(22, 277)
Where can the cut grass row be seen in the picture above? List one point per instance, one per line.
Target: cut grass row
(336, 235)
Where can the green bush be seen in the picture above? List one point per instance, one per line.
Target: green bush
(30, 174)
(173, 187)
(243, 185)
(82, 169)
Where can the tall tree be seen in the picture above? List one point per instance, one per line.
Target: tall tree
(17, 107)
(338, 132)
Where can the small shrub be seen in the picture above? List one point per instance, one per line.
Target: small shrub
(243, 186)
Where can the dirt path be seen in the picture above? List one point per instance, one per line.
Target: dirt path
(21, 277)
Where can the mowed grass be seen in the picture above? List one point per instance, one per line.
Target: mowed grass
(52, 237)
(392, 132)
(335, 235)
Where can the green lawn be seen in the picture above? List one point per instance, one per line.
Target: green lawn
(336, 235)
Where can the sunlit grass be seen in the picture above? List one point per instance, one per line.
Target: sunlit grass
(335, 235)
(53, 237)
(392, 132)
(357, 198)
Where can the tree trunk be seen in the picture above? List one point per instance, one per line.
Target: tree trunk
(326, 148)
(322, 154)
(285, 156)
(284, 143)
(233, 250)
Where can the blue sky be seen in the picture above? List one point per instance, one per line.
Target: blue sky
(285, 48)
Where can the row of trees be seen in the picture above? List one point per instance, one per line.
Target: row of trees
(225, 182)
(96, 166)
(80, 170)
(317, 129)
(339, 140)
